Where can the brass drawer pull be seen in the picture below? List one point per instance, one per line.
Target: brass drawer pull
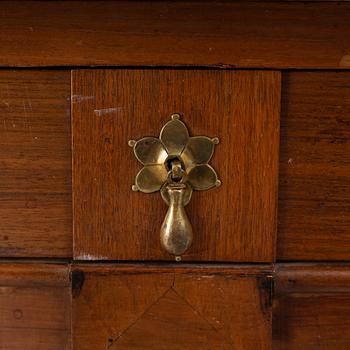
(175, 164)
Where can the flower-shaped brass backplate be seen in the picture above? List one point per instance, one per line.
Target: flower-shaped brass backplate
(174, 144)
(175, 164)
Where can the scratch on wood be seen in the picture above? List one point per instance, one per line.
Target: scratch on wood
(27, 123)
(101, 112)
(205, 277)
(91, 257)
(345, 61)
(7, 104)
(80, 98)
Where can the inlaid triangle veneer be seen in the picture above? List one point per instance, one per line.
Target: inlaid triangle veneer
(181, 328)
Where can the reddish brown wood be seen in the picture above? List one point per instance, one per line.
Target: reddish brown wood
(234, 222)
(310, 278)
(241, 270)
(171, 308)
(34, 307)
(312, 307)
(314, 194)
(167, 33)
(35, 157)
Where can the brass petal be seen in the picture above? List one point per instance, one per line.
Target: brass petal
(149, 150)
(202, 177)
(174, 136)
(151, 178)
(199, 150)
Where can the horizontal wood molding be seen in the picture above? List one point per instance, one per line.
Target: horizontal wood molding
(240, 270)
(35, 164)
(167, 33)
(311, 308)
(34, 274)
(310, 278)
(35, 307)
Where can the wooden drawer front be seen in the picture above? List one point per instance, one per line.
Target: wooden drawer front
(35, 159)
(314, 194)
(236, 222)
(175, 308)
(312, 307)
(34, 307)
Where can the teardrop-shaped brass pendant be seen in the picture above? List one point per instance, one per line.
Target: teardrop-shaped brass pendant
(176, 231)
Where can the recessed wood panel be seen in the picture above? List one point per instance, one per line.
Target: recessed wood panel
(314, 192)
(235, 222)
(35, 184)
(35, 158)
(140, 307)
(312, 307)
(172, 33)
(34, 307)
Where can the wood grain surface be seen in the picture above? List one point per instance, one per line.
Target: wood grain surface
(172, 33)
(34, 307)
(312, 307)
(235, 222)
(285, 306)
(35, 158)
(35, 192)
(167, 308)
(314, 193)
